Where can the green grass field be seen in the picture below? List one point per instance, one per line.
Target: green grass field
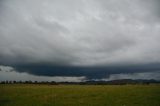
(79, 95)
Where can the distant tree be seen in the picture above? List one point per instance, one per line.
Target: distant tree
(26, 82)
(35, 82)
(53, 83)
(20, 82)
(7, 81)
(10, 82)
(30, 82)
(2, 82)
(14, 82)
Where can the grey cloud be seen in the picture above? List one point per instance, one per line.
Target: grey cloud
(11, 74)
(6, 68)
(79, 33)
(145, 75)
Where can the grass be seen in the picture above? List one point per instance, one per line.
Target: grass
(79, 95)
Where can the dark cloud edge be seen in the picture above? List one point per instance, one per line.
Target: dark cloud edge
(90, 72)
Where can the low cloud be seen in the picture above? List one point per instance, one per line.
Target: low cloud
(78, 74)
(10, 74)
(6, 68)
(145, 75)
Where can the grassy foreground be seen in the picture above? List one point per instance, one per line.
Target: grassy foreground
(79, 95)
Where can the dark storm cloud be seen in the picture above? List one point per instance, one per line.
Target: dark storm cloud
(88, 72)
(115, 36)
(10, 73)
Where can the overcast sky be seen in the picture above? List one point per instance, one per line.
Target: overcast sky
(80, 33)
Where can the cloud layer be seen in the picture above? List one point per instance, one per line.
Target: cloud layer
(8, 73)
(79, 33)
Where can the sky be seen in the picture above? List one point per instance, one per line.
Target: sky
(77, 40)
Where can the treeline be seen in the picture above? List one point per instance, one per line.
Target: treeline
(113, 82)
(27, 82)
